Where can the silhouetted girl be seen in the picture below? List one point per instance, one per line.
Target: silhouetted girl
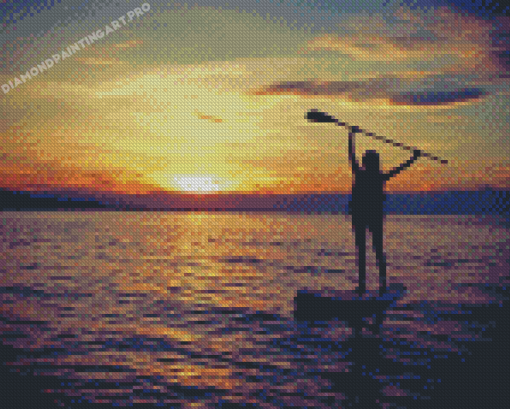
(366, 207)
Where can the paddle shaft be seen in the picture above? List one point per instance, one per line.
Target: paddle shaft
(356, 129)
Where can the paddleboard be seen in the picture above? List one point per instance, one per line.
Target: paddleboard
(343, 305)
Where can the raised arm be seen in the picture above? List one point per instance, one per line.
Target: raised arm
(404, 165)
(352, 150)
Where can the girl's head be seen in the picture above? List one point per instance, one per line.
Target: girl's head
(371, 161)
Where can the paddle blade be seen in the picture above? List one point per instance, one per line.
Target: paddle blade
(316, 116)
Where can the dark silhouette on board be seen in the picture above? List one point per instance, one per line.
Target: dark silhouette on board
(366, 207)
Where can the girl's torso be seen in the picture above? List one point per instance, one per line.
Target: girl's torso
(367, 192)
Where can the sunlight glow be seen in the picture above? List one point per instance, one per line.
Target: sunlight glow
(203, 184)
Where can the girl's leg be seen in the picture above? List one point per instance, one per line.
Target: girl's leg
(377, 240)
(360, 239)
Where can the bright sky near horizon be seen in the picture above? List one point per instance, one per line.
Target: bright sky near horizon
(210, 96)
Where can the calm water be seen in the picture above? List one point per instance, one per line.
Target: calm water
(196, 309)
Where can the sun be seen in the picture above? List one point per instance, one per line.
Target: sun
(203, 184)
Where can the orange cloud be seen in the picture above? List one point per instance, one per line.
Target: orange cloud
(52, 177)
(200, 115)
(368, 48)
(21, 169)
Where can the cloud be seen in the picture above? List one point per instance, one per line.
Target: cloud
(379, 47)
(500, 46)
(437, 98)
(463, 60)
(311, 88)
(411, 35)
(388, 89)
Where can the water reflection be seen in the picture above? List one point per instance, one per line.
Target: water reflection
(420, 352)
(424, 354)
(148, 309)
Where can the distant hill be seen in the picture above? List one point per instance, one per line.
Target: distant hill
(486, 201)
(10, 200)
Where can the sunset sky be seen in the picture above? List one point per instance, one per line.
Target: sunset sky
(210, 96)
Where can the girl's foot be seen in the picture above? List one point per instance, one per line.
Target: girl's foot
(383, 291)
(360, 291)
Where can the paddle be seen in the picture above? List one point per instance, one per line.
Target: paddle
(316, 116)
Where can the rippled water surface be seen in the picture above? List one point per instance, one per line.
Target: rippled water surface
(197, 310)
